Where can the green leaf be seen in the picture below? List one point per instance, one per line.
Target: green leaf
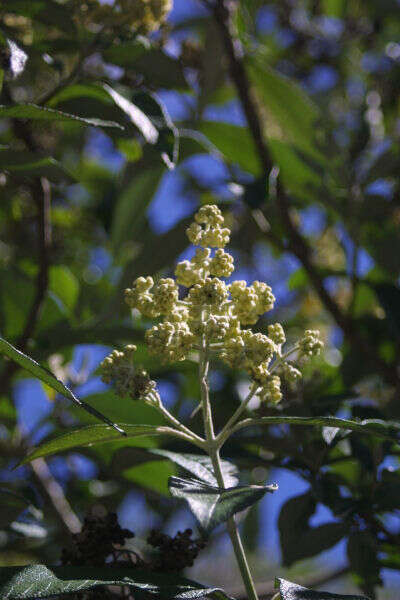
(201, 466)
(91, 435)
(11, 505)
(33, 165)
(44, 375)
(212, 505)
(234, 142)
(384, 429)
(158, 69)
(291, 114)
(39, 581)
(34, 112)
(299, 540)
(154, 477)
(64, 283)
(130, 210)
(292, 591)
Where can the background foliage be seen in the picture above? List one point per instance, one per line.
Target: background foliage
(109, 141)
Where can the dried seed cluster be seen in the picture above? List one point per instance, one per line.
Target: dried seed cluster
(211, 310)
(174, 553)
(96, 541)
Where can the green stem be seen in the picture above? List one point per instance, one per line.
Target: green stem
(282, 358)
(213, 453)
(196, 439)
(226, 430)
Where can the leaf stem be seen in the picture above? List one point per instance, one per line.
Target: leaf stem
(226, 430)
(199, 441)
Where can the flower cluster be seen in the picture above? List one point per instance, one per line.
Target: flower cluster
(213, 312)
(129, 380)
(143, 16)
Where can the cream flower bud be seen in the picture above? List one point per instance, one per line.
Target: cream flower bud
(165, 295)
(186, 274)
(271, 390)
(310, 344)
(276, 333)
(290, 372)
(221, 264)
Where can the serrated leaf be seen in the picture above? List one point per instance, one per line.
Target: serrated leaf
(212, 505)
(91, 435)
(385, 429)
(201, 466)
(47, 377)
(292, 591)
(39, 581)
(41, 113)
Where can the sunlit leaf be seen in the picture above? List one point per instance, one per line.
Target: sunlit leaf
(91, 435)
(292, 591)
(40, 113)
(39, 581)
(201, 466)
(212, 505)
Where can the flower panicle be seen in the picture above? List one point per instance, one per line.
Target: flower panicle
(213, 309)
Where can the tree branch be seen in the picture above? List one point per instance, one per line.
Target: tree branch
(297, 244)
(41, 195)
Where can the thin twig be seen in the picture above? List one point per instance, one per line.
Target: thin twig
(55, 496)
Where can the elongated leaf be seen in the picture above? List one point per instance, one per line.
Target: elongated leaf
(34, 165)
(385, 429)
(39, 581)
(234, 142)
(292, 591)
(201, 466)
(34, 112)
(292, 114)
(212, 505)
(91, 435)
(138, 118)
(44, 375)
(130, 210)
(11, 505)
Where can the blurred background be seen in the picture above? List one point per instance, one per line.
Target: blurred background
(310, 87)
